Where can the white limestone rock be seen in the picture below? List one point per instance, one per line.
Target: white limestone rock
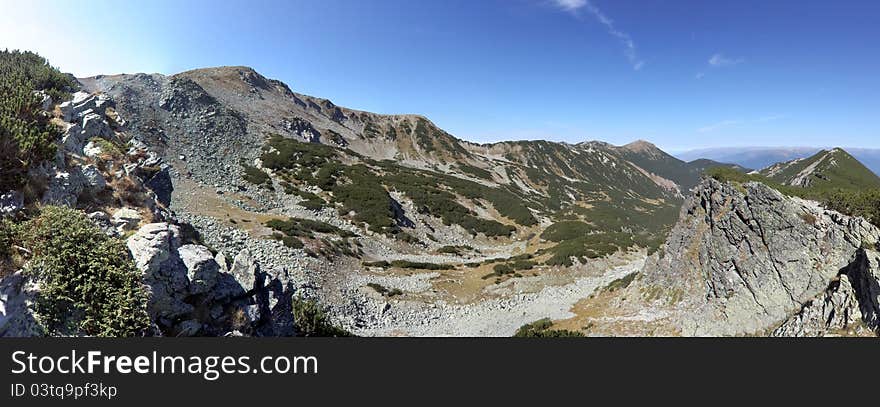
(94, 180)
(64, 187)
(126, 219)
(92, 150)
(154, 249)
(17, 294)
(201, 268)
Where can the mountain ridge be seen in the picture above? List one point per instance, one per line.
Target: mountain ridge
(834, 168)
(231, 192)
(762, 157)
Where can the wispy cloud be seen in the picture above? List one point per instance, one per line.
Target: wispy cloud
(570, 5)
(700, 75)
(729, 123)
(771, 118)
(719, 60)
(629, 46)
(716, 126)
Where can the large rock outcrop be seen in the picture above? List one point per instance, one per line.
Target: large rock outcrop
(746, 260)
(191, 293)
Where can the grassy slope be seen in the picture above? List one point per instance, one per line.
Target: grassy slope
(652, 159)
(836, 169)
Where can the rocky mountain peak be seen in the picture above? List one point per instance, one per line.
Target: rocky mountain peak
(643, 147)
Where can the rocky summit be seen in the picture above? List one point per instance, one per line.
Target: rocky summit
(748, 260)
(219, 202)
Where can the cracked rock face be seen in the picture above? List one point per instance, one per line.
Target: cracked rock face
(154, 249)
(191, 293)
(17, 294)
(744, 260)
(202, 269)
(836, 310)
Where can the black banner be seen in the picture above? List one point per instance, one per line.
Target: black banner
(408, 371)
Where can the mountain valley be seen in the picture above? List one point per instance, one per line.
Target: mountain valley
(249, 209)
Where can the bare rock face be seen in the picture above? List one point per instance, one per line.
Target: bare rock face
(17, 294)
(125, 219)
(245, 269)
(202, 269)
(186, 280)
(744, 260)
(836, 310)
(94, 125)
(84, 103)
(154, 249)
(94, 180)
(864, 273)
(64, 187)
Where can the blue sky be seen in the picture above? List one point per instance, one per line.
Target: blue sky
(683, 74)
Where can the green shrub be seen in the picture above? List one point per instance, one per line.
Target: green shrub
(255, 175)
(306, 227)
(27, 137)
(541, 329)
(311, 201)
(727, 174)
(384, 290)
(475, 171)
(405, 264)
(363, 189)
(523, 265)
(456, 250)
(567, 230)
(620, 283)
(310, 320)
(285, 153)
(502, 269)
(864, 203)
(292, 242)
(404, 237)
(493, 260)
(524, 256)
(588, 247)
(7, 235)
(383, 264)
(108, 147)
(89, 284)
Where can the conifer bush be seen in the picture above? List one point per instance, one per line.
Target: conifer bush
(88, 282)
(27, 136)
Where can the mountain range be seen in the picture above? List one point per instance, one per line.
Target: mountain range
(761, 157)
(244, 205)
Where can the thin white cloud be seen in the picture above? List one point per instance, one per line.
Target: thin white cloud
(719, 60)
(729, 123)
(570, 5)
(716, 126)
(771, 118)
(700, 75)
(629, 46)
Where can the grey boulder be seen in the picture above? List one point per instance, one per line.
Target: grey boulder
(201, 268)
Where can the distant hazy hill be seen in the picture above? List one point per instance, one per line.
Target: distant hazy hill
(750, 157)
(762, 157)
(652, 159)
